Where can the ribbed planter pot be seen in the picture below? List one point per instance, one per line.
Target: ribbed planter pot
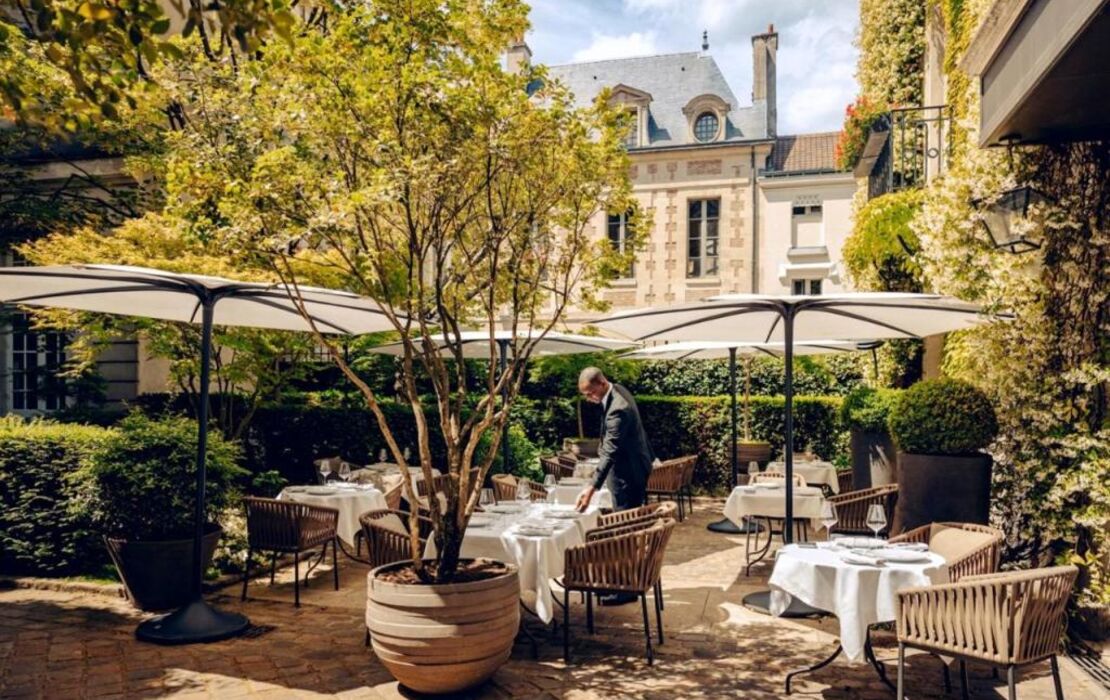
(158, 575)
(942, 488)
(751, 451)
(583, 447)
(867, 449)
(442, 638)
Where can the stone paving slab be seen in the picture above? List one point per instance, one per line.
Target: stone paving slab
(59, 644)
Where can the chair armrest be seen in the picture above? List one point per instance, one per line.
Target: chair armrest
(918, 534)
(599, 533)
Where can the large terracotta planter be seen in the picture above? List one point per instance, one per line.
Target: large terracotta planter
(874, 462)
(442, 638)
(751, 451)
(158, 575)
(942, 488)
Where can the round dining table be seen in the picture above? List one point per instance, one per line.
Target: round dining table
(351, 500)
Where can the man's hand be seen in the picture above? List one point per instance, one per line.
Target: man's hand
(584, 499)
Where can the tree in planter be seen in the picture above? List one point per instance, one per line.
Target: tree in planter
(394, 157)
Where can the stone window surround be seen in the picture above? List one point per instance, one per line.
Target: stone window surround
(706, 102)
(638, 103)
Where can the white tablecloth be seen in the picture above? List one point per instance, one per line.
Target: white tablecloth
(539, 559)
(859, 596)
(390, 474)
(815, 473)
(771, 503)
(567, 495)
(351, 502)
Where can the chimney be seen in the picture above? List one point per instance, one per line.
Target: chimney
(518, 56)
(764, 56)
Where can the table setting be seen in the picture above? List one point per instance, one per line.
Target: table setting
(566, 491)
(534, 536)
(815, 472)
(351, 500)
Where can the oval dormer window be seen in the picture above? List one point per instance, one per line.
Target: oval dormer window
(706, 126)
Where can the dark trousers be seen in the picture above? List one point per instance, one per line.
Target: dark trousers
(628, 498)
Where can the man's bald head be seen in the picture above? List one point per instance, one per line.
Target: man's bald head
(592, 384)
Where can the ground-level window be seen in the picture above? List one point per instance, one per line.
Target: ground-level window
(701, 252)
(801, 287)
(620, 236)
(34, 359)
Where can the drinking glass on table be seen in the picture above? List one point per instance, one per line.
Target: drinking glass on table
(345, 471)
(828, 518)
(549, 485)
(408, 455)
(753, 470)
(325, 469)
(485, 498)
(381, 455)
(523, 493)
(876, 518)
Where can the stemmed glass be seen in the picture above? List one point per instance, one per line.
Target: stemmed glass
(523, 493)
(408, 455)
(345, 471)
(549, 486)
(485, 498)
(828, 518)
(876, 518)
(325, 469)
(381, 455)
(753, 470)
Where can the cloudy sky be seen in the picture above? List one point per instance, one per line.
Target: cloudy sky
(816, 69)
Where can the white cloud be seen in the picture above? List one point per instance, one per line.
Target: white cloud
(604, 47)
(816, 66)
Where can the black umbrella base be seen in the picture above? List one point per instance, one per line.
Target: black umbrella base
(727, 527)
(193, 623)
(760, 602)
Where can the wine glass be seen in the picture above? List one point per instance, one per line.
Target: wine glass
(345, 471)
(325, 469)
(549, 483)
(381, 455)
(753, 469)
(485, 498)
(828, 517)
(876, 518)
(408, 455)
(523, 493)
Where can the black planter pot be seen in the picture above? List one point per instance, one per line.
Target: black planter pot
(939, 488)
(867, 446)
(158, 575)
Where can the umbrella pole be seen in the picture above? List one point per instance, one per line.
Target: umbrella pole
(724, 525)
(505, 451)
(788, 392)
(197, 621)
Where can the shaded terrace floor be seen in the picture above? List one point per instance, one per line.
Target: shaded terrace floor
(63, 645)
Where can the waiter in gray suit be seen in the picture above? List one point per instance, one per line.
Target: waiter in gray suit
(625, 458)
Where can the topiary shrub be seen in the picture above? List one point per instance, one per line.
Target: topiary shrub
(942, 417)
(868, 409)
(41, 530)
(141, 484)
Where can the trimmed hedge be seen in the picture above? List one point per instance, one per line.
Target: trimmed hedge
(868, 409)
(42, 531)
(942, 417)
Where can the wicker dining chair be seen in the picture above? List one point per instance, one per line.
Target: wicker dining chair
(567, 459)
(1006, 620)
(288, 527)
(644, 516)
(665, 481)
(688, 465)
(844, 480)
(555, 467)
(504, 488)
(387, 537)
(626, 560)
(969, 549)
(851, 508)
(771, 477)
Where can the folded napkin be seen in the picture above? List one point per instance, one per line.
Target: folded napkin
(860, 559)
(911, 546)
(860, 542)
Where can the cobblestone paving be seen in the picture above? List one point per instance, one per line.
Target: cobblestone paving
(76, 645)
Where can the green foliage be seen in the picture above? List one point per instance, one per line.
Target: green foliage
(879, 253)
(944, 417)
(859, 117)
(268, 484)
(524, 456)
(868, 409)
(833, 375)
(891, 46)
(141, 484)
(41, 530)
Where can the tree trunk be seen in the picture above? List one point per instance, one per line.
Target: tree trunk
(449, 554)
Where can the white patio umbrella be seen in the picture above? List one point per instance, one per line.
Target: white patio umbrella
(762, 318)
(149, 293)
(476, 346)
(715, 350)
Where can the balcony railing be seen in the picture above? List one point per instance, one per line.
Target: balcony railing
(907, 147)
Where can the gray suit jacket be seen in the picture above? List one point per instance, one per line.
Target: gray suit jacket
(625, 457)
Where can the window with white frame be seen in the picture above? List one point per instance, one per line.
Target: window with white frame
(34, 359)
(620, 230)
(703, 217)
(806, 222)
(801, 287)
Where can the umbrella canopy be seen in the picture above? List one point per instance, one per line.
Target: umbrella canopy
(720, 350)
(475, 344)
(149, 293)
(169, 296)
(760, 318)
(763, 318)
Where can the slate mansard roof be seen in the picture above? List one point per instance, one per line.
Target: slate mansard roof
(672, 80)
